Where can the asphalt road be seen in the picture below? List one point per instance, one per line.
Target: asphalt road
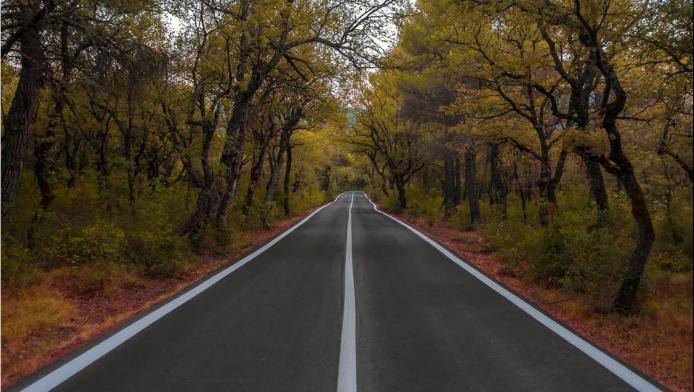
(291, 319)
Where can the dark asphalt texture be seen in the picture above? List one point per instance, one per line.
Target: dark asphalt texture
(423, 324)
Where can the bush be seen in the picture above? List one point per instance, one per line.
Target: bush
(17, 264)
(421, 205)
(571, 253)
(101, 242)
(390, 203)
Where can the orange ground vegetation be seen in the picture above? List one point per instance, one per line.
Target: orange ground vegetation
(48, 320)
(657, 341)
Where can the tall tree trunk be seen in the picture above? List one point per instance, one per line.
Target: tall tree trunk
(458, 180)
(448, 182)
(287, 178)
(471, 187)
(556, 179)
(597, 189)
(232, 158)
(500, 189)
(400, 186)
(521, 191)
(208, 195)
(15, 138)
(620, 165)
(128, 142)
(644, 240)
(326, 179)
(41, 152)
(286, 134)
(256, 172)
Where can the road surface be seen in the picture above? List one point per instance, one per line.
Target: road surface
(348, 300)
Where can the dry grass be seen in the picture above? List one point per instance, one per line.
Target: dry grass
(72, 306)
(657, 341)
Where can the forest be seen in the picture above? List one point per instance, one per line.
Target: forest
(144, 141)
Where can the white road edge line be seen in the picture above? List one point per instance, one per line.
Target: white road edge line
(59, 375)
(621, 371)
(347, 371)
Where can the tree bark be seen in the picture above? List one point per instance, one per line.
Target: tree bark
(15, 139)
(287, 178)
(471, 187)
(598, 190)
(500, 189)
(458, 180)
(448, 182)
(285, 135)
(256, 172)
(400, 186)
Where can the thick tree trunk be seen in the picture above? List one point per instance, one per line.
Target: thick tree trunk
(15, 138)
(471, 187)
(256, 173)
(286, 134)
(400, 186)
(232, 159)
(556, 179)
(620, 165)
(597, 189)
(645, 237)
(326, 179)
(197, 224)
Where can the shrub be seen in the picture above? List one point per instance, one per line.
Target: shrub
(570, 253)
(101, 242)
(421, 205)
(17, 264)
(390, 203)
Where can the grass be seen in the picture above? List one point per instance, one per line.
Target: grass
(31, 320)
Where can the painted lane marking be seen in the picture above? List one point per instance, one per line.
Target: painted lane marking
(621, 371)
(347, 371)
(59, 375)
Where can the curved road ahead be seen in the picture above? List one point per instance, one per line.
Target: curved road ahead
(347, 300)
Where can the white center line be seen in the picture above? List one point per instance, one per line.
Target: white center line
(347, 373)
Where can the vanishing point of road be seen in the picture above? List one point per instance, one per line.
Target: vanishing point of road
(349, 299)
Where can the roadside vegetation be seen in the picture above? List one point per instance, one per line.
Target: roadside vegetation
(550, 143)
(145, 144)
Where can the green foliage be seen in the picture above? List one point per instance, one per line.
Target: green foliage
(306, 198)
(573, 254)
(100, 242)
(460, 219)
(17, 264)
(390, 203)
(149, 240)
(419, 204)
(569, 253)
(87, 227)
(672, 249)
